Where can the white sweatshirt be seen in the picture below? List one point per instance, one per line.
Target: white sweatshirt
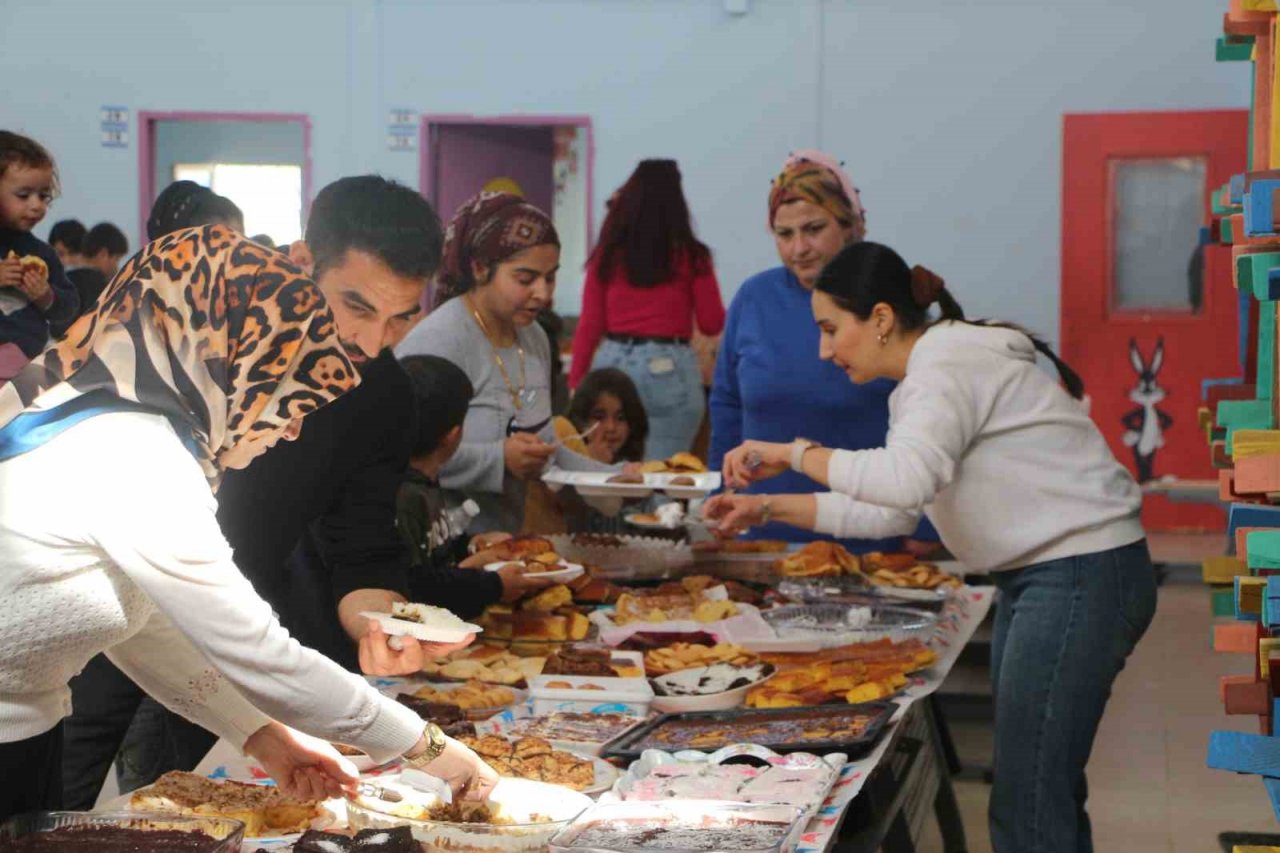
(109, 542)
(1007, 466)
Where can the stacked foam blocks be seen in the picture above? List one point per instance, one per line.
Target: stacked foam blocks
(1239, 416)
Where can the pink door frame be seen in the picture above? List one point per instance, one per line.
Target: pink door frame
(424, 166)
(147, 152)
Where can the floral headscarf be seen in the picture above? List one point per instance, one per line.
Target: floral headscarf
(816, 177)
(488, 229)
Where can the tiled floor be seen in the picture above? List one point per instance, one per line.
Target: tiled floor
(1150, 791)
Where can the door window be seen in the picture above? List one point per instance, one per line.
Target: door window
(1157, 210)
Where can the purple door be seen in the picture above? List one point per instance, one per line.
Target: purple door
(467, 157)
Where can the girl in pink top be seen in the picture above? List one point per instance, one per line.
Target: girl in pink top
(647, 281)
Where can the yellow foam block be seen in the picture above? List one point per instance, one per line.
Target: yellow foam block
(1223, 569)
(1265, 647)
(1254, 442)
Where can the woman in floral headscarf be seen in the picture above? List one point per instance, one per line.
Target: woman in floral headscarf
(501, 256)
(769, 385)
(203, 352)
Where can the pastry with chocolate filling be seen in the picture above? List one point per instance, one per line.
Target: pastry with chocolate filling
(436, 712)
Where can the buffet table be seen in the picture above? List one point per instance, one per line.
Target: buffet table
(905, 770)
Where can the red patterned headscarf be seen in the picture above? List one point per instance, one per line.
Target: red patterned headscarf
(488, 229)
(818, 178)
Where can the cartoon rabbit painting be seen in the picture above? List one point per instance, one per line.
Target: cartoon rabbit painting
(1145, 426)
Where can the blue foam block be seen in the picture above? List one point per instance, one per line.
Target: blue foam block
(1258, 208)
(1241, 752)
(1251, 515)
(1237, 189)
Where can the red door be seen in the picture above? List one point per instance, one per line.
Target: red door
(1144, 309)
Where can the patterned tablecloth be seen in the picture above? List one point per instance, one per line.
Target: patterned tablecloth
(960, 618)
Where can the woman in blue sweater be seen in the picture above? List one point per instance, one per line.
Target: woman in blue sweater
(769, 385)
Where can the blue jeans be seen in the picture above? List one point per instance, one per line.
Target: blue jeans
(673, 398)
(1063, 630)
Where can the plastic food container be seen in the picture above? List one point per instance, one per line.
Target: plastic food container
(708, 701)
(764, 828)
(521, 799)
(832, 622)
(620, 696)
(226, 834)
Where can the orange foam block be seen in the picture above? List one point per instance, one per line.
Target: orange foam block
(1226, 485)
(1226, 680)
(1238, 637)
(1255, 474)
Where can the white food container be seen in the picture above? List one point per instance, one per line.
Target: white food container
(620, 696)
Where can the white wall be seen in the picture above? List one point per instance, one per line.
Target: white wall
(948, 112)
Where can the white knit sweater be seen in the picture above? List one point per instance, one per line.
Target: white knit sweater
(109, 542)
(1007, 466)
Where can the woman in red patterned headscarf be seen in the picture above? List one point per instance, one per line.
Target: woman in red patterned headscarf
(501, 256)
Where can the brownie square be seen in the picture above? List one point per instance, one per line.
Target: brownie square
(397, 840)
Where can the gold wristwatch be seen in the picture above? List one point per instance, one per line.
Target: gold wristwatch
(436, 742)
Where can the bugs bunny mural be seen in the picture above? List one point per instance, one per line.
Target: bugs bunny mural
(1145, 426)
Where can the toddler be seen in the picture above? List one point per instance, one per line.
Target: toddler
(36, 298)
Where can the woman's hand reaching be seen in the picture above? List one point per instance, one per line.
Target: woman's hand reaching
(753, 461)
(302, 766)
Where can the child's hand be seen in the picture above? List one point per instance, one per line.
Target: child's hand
(35, 286)
(11, 272)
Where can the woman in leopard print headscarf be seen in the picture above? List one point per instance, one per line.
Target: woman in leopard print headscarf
(203, 351)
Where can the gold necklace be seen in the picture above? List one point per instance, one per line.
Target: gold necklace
(516, 393)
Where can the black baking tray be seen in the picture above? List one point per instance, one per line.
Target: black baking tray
(625, 745)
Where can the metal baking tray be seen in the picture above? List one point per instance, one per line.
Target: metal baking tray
(627, 745)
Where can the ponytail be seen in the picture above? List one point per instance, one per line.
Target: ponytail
(866, 274)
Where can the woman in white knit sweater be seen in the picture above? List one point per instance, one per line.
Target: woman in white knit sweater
(203, 352)
(1018, 481)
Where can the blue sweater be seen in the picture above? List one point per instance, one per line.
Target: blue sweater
(21, 322)
(770, 385)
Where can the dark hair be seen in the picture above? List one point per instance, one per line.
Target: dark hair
(864, 275)
(441, 395)
(264, 240)
(610, 380)
(186, 204)
(372, 214)
(648, 228)
(68, 232)
(104, 235)
(16, 148)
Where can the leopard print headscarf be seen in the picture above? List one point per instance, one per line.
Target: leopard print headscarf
(227, 339)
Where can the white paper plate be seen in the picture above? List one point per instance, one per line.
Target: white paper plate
(404, 628)
(597, 483)
(566, 572)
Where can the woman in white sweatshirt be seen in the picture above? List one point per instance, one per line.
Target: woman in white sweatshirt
(202, 353)
(1017, 480)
